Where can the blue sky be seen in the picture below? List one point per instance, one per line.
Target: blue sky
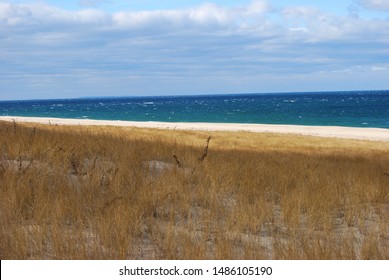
(65, 49)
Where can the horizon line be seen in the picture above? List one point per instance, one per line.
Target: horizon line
(197, 95)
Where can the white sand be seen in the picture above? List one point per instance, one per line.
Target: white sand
(375, 134)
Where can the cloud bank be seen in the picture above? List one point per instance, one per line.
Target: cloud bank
(50, 52)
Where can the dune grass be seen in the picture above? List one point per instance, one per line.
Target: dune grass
(118, 193)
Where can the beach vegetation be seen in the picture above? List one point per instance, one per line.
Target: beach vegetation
(95, 192)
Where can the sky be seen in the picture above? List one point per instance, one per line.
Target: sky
(85, 48)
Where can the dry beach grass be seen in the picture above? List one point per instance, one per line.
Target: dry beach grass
(82, 192)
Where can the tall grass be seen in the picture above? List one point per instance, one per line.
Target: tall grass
(118, 193)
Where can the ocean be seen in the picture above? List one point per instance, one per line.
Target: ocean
(352, 108)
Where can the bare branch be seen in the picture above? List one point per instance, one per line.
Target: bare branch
(177, 161)
(205, 153)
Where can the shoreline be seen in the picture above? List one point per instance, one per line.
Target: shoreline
(357, 133)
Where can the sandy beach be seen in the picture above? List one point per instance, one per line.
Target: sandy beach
(373, 134)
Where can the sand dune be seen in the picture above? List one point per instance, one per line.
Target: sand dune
(375, 134)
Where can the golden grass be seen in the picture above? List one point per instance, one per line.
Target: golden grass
(117, 193)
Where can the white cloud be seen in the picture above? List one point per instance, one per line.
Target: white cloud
(255, 17)
(41, 15)
(380, 5)
(209, 13)
(321, 27)
(205, 15)
(201, 17)
(169, 19)
(258, 7)
(298, 29)
(379, 68)
(212, 46)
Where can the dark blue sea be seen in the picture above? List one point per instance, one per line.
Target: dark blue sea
(353, 108)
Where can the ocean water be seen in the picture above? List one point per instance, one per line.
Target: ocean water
(354, 108)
